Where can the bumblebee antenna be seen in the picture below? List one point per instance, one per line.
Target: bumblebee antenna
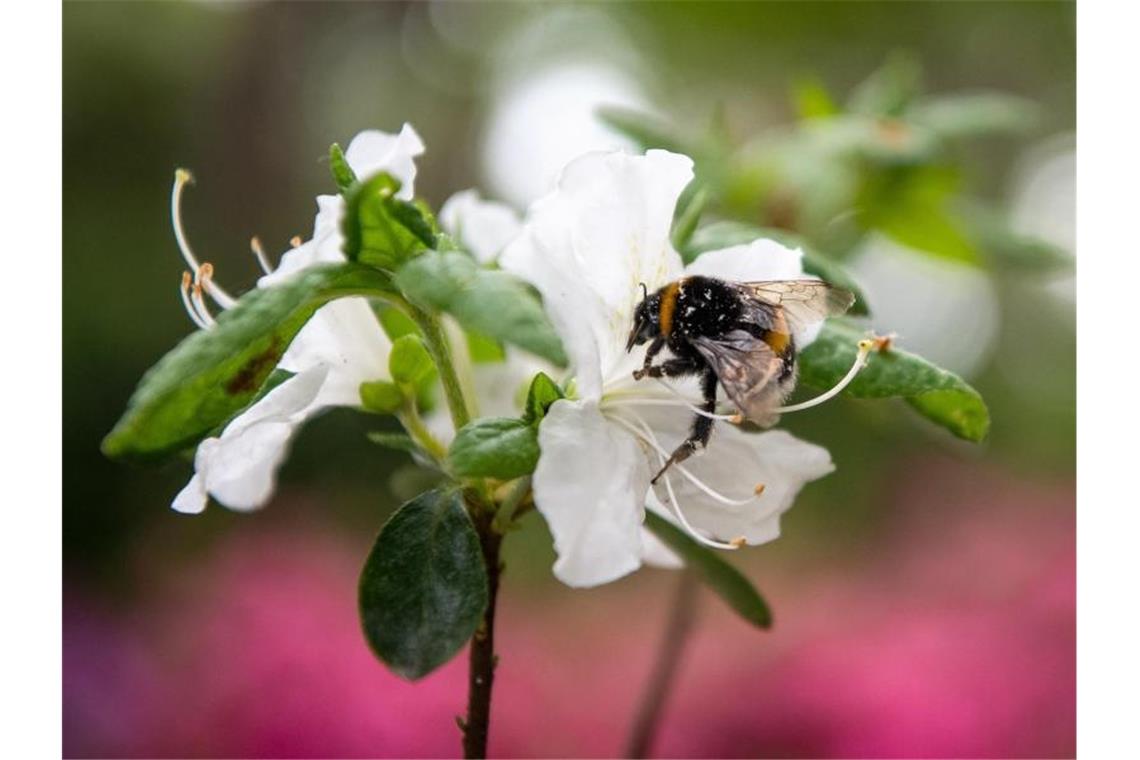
(644, 290)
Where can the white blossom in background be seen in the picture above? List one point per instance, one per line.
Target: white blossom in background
(340, 347)
(586, 247)
(946, 311)
(482, 227)
(1044, 203)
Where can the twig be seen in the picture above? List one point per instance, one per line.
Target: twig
(677, 629)
(482, 658)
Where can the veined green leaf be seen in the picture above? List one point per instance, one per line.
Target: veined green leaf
(214, 373)
(495, 447)
(424, 586)
(381, 230)
(937, 394)
(728, 582)
(490, 302)
(726, 234)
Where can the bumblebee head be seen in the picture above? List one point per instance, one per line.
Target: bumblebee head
(646, 324)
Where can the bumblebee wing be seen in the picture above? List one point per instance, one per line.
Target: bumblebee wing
(751, 373)
(802, 301)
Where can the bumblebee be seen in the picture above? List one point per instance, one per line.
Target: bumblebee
(738, 335)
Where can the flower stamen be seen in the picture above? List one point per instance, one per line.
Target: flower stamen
(733, 418)
(865, 347)
(182, 178)
(640, 428)
(202, 282)
(188, 303)
(735, 543)
(259, 254)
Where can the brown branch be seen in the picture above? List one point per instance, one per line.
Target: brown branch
(482, 657)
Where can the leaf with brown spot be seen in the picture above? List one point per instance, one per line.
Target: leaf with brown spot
(215, 373)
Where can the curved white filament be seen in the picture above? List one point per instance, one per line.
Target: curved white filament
(865, 347)
(181, 179)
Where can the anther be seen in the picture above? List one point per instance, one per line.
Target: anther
(201, 282)
(884, 343)
(295, 241)
(737, 542)
(187, 303)
(259, 254)
(759, 489)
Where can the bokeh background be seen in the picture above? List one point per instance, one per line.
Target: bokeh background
(924, 593)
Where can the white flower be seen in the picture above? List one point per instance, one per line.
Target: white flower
(483, 227)
(586, 247)
(340, 347)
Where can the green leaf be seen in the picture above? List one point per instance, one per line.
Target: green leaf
(889, 90)
(689, 217)
(423, 589)
(342, 173)
(645, 130)
(395, 441)
(1006, 248)
(484, 350)
(495, 447)
(812, 100)
(491, 302)
(727, 234)
(965, 115)
(937, 394)
(214, 373)
(410, 363)
(728, 582)
(542, 393)
(395, 322)
(382, 396)
(381, 230)
(912, 207)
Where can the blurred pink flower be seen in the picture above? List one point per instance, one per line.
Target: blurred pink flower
(951, 634)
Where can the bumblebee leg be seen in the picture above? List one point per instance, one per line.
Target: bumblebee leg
(702, 426)
(651, 352)
(672, 368)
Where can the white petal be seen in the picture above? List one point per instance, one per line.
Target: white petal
(191, 500)
(759, 260)
(590, 485)
(483, 227)
(239, 468)
(588, 245)
(734, 463)
(346, 337)
(373, 151)
(241, 471)
(324, 247)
